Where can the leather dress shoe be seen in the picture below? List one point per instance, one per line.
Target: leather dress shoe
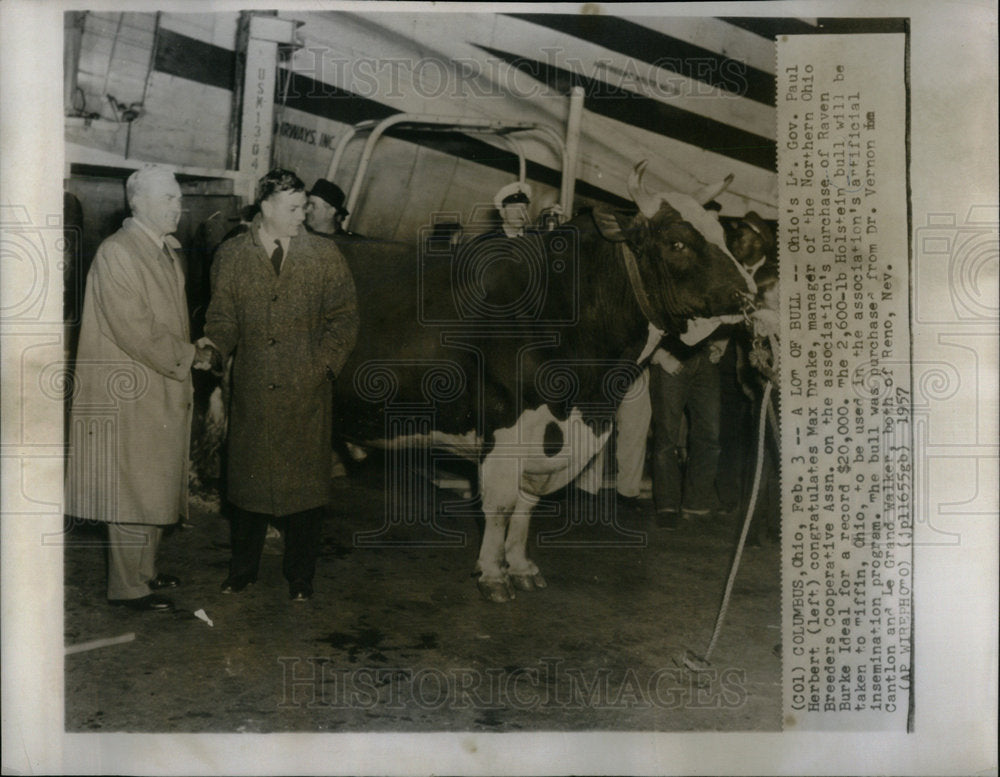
(233, 585)
(160, 582)
(300, 591)
(147, 603)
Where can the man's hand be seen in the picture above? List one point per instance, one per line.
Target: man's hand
(206, 357)
(202, 358)
(716, 348)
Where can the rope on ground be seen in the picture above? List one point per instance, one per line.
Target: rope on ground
(93, 644)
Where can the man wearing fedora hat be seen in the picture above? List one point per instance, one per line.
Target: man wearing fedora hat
(325, 212)
(752, 242)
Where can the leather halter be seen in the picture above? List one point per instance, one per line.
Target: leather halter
(638, 288)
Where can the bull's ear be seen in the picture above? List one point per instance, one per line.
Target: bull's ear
(612, 224)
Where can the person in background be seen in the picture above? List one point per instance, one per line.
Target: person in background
(631, 429)
(751, 241)
(74, 272)
(690, 477)
(284, 304)
(550, 218)
(512, 202)
(685, 380)
(325, 211)
(130, 421)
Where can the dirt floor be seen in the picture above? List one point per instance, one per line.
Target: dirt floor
(397, 637)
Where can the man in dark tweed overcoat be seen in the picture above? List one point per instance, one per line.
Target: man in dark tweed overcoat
(283, 303)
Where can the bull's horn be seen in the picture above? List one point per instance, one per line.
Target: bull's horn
(648, 203)
(710, 191)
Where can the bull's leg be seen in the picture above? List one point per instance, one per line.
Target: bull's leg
(498, 486)
(524, 573)
(494, 583)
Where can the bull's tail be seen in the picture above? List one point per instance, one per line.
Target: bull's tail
(208, 434)
(206, 449)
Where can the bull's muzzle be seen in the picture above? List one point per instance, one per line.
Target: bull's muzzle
(748, 305)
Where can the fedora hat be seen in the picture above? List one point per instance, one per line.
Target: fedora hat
(330, 193)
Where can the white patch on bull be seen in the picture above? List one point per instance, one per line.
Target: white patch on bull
(467, 445)
(702, 220)
(515, 473)
(539, 473)
(707, 223)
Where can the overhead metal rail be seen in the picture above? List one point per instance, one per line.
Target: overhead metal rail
(503, 130)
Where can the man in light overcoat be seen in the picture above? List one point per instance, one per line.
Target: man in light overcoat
(130, 421)
(283, 302)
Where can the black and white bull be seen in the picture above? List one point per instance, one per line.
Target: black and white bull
(514, 350)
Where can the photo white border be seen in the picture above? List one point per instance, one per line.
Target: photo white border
(953, 70)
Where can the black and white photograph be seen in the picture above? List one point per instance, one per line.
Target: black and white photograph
(397, 388)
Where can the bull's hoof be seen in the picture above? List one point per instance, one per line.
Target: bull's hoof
(498, 591)
(529, 582)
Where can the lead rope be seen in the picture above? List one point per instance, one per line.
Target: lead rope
(765, 412)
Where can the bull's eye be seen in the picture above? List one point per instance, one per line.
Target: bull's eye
(678, 245)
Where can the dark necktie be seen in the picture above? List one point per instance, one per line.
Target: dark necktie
(276, 256)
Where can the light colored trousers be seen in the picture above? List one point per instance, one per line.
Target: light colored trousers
(131, 558)
(632, 424)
